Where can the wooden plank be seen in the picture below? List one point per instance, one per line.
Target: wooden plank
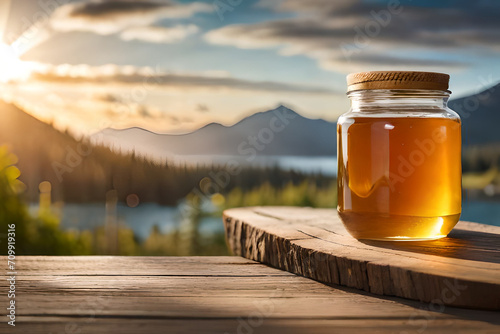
(194, 306)
(461, 270)
(140, 266)
(255, 324)
(189, 295)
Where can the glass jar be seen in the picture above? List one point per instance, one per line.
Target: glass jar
(399, 157)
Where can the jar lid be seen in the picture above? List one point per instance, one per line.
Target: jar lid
(397, 80)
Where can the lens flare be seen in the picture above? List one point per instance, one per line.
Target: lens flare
(11, 67)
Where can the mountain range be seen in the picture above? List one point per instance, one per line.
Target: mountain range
(279, 131)
(480, 114)
(301, 136)
(44, 152)
(81, 172)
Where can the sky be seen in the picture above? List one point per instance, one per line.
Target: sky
(173, 66)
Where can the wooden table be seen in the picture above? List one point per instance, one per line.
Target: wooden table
(461, 270)
(209, 295)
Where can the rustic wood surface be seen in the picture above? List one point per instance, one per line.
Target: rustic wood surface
(209, 295)
(461, 270)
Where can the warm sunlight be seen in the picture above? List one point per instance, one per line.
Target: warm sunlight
(11, 67)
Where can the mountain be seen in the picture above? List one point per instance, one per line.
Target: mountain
(280, 131)
(34, 142)
(77, 171)
(480, 114)
(300, 137)
(81, 172)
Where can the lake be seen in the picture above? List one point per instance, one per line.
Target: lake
(142, 218)
(308, 165)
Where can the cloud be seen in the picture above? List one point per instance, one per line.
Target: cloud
(150, 78)
(133, 19)
(109, 103)
(156, 34)
(202, 108)
(106, 97)
(375, 60)
(345, 35)
(115, 9)
(88, 98)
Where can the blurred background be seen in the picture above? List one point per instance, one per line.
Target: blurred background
(128, 126)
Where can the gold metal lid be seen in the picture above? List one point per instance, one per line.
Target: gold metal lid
(397, 80)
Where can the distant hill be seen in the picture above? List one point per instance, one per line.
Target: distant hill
(85, 172)
(480, 115)
(300, 136)
(36, 144)
(46, 154)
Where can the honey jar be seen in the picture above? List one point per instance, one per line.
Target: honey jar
(399, 157)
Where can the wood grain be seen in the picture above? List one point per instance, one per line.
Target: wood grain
(461, 270)
(209, 295)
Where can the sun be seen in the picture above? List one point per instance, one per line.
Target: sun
(11, 67)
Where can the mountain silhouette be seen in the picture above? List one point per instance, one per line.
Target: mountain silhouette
(279, 131)
(81, 172)
(480, 114)
(36, 144)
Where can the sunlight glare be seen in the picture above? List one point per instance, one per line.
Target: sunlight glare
(11, 67)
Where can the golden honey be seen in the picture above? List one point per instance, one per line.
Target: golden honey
(399, 165)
